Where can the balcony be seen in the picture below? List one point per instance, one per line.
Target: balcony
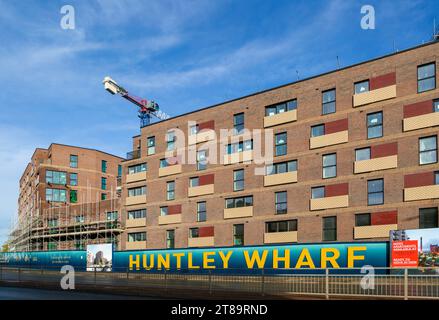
(238, 157)
(280, 178)
(377, 231)
(329, 203)
(280, 237)
(376, 95)
(329, 139)
(422, 121)
(135, 223)
(201, 242)
(130, 201)
(280, 118)
(170, 219)
(135, 154)
(376, 164)
(170, 170)
(135, 245)
(201, 190)
(241, 212)
(134, 177)
(421, 193)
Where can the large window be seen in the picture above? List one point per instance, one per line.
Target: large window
(375, 192)
(136, 236)
(239, 202)
(317, 192)
(73, 179)
(119, 170)
(193, 130)
(281, 167)
(73, 161)
(163, 211)
(281, 202)
(201, 211)
(104, 183)
(428, 150)
(112, 215)
(238, 180)
(170, 239)
(362, 220)
(194, 233)
(201, 160)
(427, 77)
(194, 182)
(280, 142)
(150, 142)
(56, 177)
(362, 154)
(362, 86)
(104, 166)
(436, 106)
(428, 218)
(374, 125)
(239, 146)
(52, 223)
(170, 140)
(281, 107)
(318, 130)
(142, 167)
(138, 191)
(328, 101)
(238, 123)
(73, 196)
(79, 219)
(56, 195)
(329, 229)
(238, 234)
(170, 190)
(281, 226)
(436, 177)
(136, 214)
(329, 162)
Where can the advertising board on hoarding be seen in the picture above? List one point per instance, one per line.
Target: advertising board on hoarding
(99, 257)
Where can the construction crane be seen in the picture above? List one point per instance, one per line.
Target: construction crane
(147, 108)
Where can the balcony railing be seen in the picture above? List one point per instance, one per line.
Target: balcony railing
(135, 154)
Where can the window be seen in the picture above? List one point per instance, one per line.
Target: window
(193, 130)
(138, 191)
(79, 245)
(239, 202)
(104, 166)
(317, 192)
(56, 177)
(281, 226)
(52, 223)
(119, 170)
(104, 183)
(329, 165)
(112, 215)
(281, 202)
(73, 179)
(103, 196)
(170, 190)
(137, 214)
(194, 233)
(238, 234)
(328, 101)
(317, 131)
(194, 182)
(436, 106)
(73, 196)
(150, 142)
(238, 180)
(56, 195)
(52, 246)
(239, 146)
(281, 107)
(374, 125)
(73, 161)
(362, 219)
(201, 211)
(375, 192)
(201, 160)
(281, 167)
(79, 219)
(163, 211)
(329, 229)
(362, 86)
(136, 236)
(170, 239)
(362, 154)
(238, 123)
(426, 77)
(436, 177)
(170, 140)
(163, 163)
(428, 218)
(280, 141)
(428, 150)
(142, 167)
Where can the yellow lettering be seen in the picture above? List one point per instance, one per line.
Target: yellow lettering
(178, 257)
(305, 260)
(136, 262)
(331, 259)
(260, 261)
(190, 265)
(206, 260)
(151, 262)
(163, 261)
(352, 257)
(285, 259)
(225, 258)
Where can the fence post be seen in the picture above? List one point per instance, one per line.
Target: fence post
(263, 283)
(210, 282)
(327, 283)
(406, 284)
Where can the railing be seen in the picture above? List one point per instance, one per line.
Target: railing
(324, 283)
(135, 154)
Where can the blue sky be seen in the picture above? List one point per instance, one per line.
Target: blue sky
(185, 54)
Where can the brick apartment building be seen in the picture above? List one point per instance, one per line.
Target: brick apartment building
(68, 197)
(355, 156)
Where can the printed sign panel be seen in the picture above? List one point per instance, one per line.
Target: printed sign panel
(46, 259)
(99, 257)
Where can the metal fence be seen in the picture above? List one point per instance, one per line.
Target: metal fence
(385, 283)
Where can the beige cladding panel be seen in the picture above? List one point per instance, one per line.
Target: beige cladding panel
(330, 203)
(280, 178)
(170, 170)
(201, 242)
(422, 121)
(201, 190)
(421, 193)
(280, 118)
(203, 136)
(241, 212)
(170, 219)
(130, 201)
(238, 157)
(134, 177)
(376, 164)
(377, 231)
(374, 96)
(134, 223)
(329, 139)
(135, 245)
(280, 237)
